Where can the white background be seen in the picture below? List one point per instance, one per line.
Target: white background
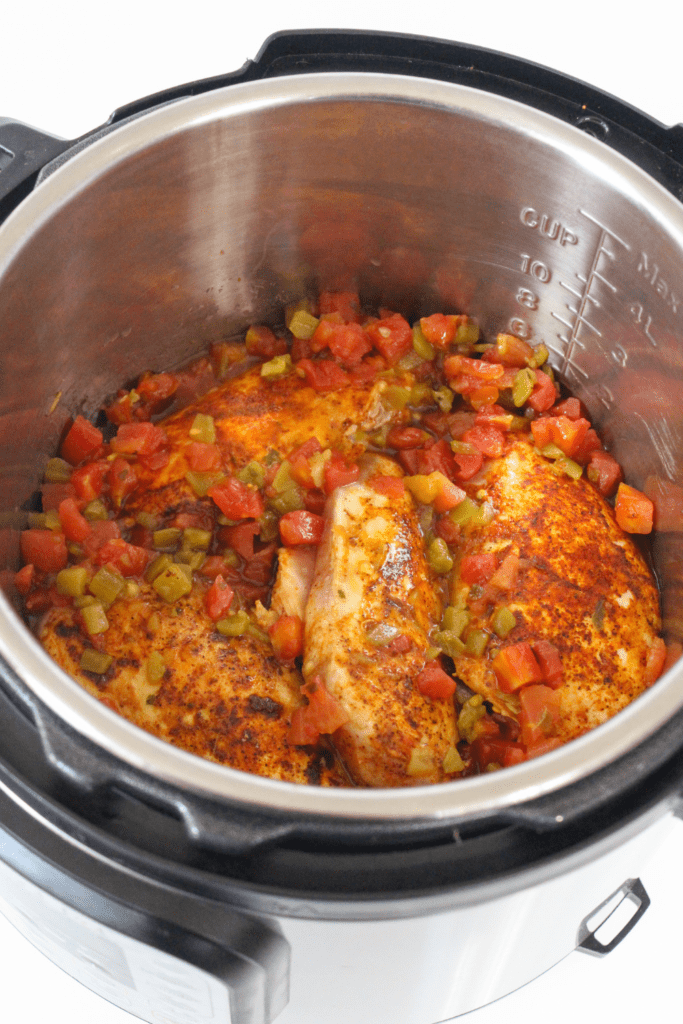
(64, 66)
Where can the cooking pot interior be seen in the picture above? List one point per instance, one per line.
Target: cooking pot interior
(187, 224)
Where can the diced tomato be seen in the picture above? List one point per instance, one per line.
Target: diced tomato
(484, 397)
(241, 538)
(406, 437)
(82, 440)
(489, 440)
(541, 431)
(605, 472)
(213, 566)
(634, 510)
(88, 480)
(125, 408)
(569, 407)
(568, 434)
(203, 458)
(456, 367)
(347, 304)
(539, 716)
(544, 393)
(591, 443)
(74, 525)
(656, 659)
(102, 531)
(516, 666)
(511, 351)
(348, 343)
(299, 464)
(439, 329)
(410, 460)
(315, 501)
(437, 456)
(155, 461)
(548, 657)
(259, 569)
(287, 637)
(262, 342)
(320, 338)
(301, 527)
(478, 568)
(42, 599)
(322, 715)
(401, 644)
(338, 472)
(468, 465)
(45, 549)
(505, 576)
(237, 500)
(218, 598)
(129, 559)
(138, 439)
(122, 479)
(367, 370)
(433, 682)
(391, 486)
(323, 374)
(392, 337)
(23, 580)
(442, 423)
(447, 529)
(486, 751)
(492, 416)
(448, 497)
(156, 388)
(302, 348)
(52, 495)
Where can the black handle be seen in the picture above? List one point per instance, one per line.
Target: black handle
(23, 152)
(656, 148)
(653, 146)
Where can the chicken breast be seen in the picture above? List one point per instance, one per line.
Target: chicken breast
(295, 574)
(582, 584)
(371, 607)
(254, 416)
(227, 699)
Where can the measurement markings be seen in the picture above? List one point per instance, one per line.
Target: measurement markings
(586, 300)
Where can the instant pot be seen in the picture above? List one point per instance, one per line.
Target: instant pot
(431, 176)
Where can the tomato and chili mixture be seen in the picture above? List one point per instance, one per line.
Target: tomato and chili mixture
(467, 399)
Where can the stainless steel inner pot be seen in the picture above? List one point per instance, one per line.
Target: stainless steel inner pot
(185, 224)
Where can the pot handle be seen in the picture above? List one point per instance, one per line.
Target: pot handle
(23, 152)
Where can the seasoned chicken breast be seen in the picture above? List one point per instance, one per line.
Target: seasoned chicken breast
(227, 699)
(294, 574)
(581, 584)
(371, 608)
(254, 416)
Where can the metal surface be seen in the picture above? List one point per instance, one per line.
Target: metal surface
(209, 212)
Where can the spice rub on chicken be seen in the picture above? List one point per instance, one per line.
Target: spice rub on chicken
(373, 603)
(376, 554)
(227, 699)
(563, 570)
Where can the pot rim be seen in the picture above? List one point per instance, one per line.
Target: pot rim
(460, 800)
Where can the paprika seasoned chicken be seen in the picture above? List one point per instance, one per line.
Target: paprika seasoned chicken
(371, 608)
(353, 563)
(576, 578)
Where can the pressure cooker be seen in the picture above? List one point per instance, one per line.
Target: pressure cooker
(432, 175)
